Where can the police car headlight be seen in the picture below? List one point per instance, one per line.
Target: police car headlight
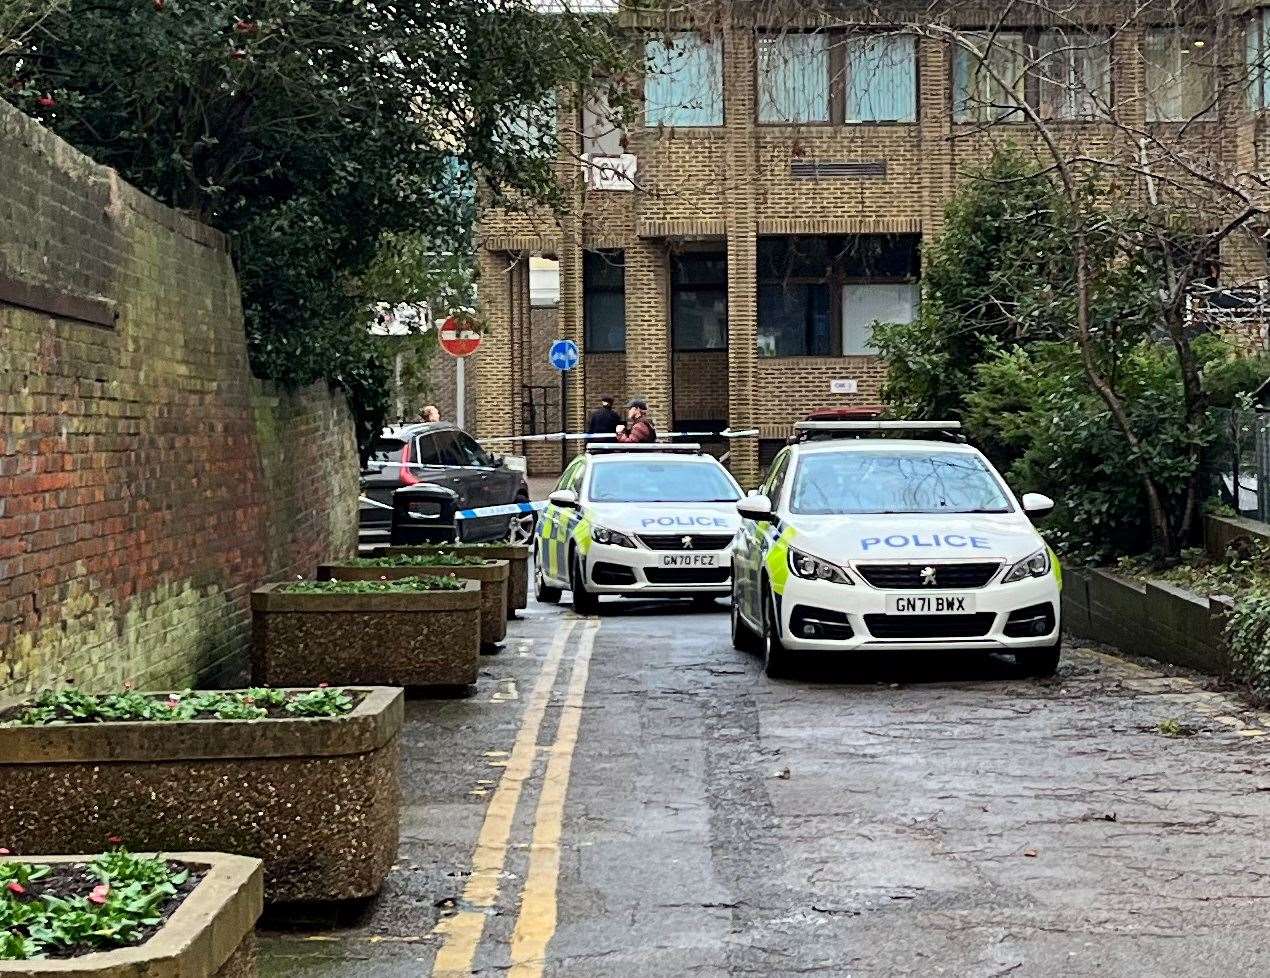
(602, 534)
(814, 569)
(1037, 565)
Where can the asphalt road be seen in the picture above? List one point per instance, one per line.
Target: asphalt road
(628, 796)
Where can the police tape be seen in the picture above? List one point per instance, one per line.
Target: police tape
(562, 436)
(508, 509)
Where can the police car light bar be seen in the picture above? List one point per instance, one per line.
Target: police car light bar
(614, 448)
(878, 426)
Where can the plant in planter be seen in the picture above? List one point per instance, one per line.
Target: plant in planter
(117, 915)
(516, 555)
(415, 631)
(492, 574)
(311, 787)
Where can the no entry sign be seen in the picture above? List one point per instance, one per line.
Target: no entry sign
(458, 339)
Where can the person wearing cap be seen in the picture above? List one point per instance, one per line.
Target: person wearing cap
(640, 427)
(604, 420)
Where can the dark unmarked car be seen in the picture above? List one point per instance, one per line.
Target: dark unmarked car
(441, 454)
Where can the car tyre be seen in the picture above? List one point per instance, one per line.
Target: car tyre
(775, 655)
(584, 602)
(743, 637)
(1040, 663)
(544, 593)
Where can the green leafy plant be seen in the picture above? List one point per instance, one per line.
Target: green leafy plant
(72, 706)
(444, 559)
(320, 703)
(403, 585)
(1248, 635)
(1172, 727)
(70, 915)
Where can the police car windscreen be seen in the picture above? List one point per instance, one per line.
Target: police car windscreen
(833, 483)
(660, 482)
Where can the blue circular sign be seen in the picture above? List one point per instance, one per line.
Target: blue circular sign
(564, 354)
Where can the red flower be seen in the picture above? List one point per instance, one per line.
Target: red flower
(4, 852)
(159, 4)
(47, 101)
(323, 685)
(238, 54)
(16, 888)
(115, 840)
(100, 893)
(245, 26)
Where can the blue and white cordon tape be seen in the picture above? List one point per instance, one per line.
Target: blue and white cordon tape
(509, 509)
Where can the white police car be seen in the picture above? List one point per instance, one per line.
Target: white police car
(891, 543)
(639, 520)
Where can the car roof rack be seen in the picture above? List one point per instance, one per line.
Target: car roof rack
(857, 429)
(620, 448)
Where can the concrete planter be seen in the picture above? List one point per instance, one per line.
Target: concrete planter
(210, 935)
(314, 798)
(409, 638)
(493, 577)
(517, 555)
(1148, 618)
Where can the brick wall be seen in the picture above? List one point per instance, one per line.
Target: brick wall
(147, 481)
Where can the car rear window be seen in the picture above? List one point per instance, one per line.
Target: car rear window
(856, 482)
(661, 482)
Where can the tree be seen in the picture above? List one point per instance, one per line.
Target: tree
(308, 130)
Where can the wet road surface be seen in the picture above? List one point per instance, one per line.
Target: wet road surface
(628, 796)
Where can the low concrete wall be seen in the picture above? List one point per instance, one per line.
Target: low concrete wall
(1221, 531)
(1148, 618)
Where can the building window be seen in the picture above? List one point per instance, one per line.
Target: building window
(1074, 75)
(1257, 35)
(795, 314)
(602, 132)
(793, 78)
(989, 82)
(837, 78)
(865, 304)
(699, 301)
(881, 79)
(1180, 81)
(683, 82)
(820, 296)
(604, 301)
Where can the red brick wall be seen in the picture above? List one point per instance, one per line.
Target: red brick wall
(147, 481)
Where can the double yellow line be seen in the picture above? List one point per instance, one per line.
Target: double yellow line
(536, 921)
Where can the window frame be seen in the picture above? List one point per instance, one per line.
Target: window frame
(839, 80)
(719, 289)
(1210, 114)
(978, 115)
(1036, 45)
(587, 324)
(716, 43)
(837, 280)
(1032, 78)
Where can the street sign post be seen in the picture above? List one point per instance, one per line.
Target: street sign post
(460, 341)
(563, 355)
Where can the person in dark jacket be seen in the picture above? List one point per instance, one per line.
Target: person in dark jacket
(604, 420)
(639, 427)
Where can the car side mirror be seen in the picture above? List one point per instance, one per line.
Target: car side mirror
(757, 508)
(1037, 505)
(565, 498)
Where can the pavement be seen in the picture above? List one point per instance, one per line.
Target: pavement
(628, 796)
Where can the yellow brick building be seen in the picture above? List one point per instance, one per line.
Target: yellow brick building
(726, 249)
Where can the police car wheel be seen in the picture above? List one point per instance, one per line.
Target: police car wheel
(1040, 662)
(543, 592)
(584, 602)
(775, 655)
(743, 638)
